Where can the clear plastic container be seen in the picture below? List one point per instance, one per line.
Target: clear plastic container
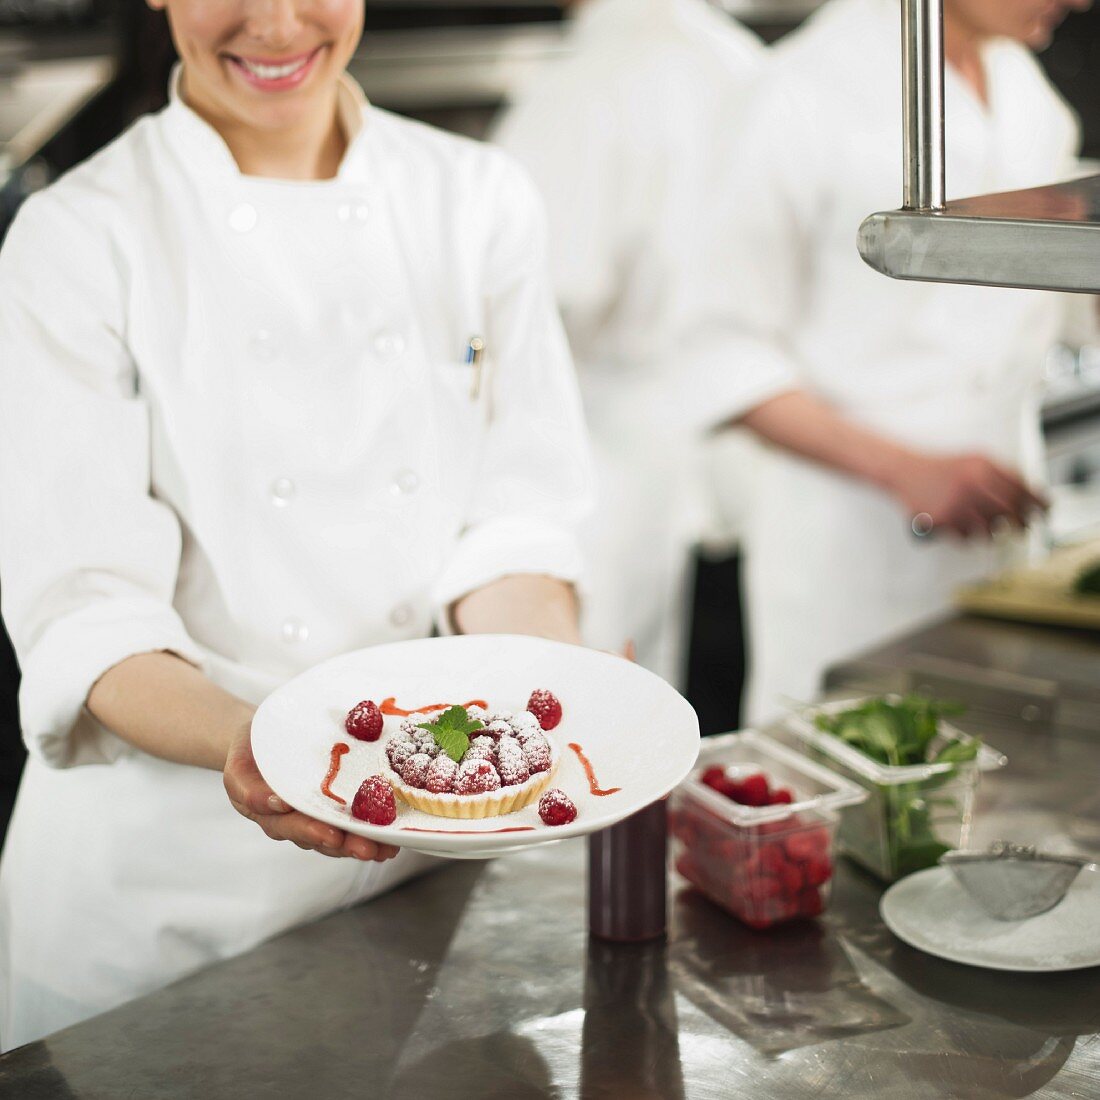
(763, 864)
(915, 812)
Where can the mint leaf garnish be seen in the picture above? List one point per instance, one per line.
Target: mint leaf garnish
(452, 730)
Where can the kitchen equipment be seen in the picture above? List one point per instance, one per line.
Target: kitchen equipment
(763, 864)
(1013, 882)
(638, 735)
(932, 912)
(914, 812)
(1044, 238)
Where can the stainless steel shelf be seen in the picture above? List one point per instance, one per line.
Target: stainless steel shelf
(1044, 238)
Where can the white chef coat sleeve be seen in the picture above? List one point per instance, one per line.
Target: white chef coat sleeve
(88, 559)
(534, 480)
(741, 354)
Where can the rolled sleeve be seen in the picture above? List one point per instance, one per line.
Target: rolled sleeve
(534, 482)
(88, 558)
(70, 656)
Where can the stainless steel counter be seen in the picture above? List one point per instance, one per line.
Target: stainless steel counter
(480, 981)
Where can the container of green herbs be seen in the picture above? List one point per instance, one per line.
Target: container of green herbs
(921, 773)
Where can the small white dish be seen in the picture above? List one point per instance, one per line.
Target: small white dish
(638, 733)
(932, 912)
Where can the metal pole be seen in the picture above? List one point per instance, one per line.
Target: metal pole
(922, 95)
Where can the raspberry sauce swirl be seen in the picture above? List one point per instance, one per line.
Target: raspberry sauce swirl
(389, 706)
(593, 785)
(337, 754)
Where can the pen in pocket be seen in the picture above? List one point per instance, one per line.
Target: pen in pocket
(475, 350)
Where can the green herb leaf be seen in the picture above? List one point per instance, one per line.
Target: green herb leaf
(957, 752)
(452, 730)
(891, 733)
(1087, 582)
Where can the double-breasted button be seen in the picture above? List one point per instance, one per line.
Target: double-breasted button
(389, 344)
(262, 345)
(406, 482)
(353, 212)
(243, 217)
(401, 615)
(282, 491)
(294, 631)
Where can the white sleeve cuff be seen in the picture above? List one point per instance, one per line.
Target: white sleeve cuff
(66, 661)
(500, 548)
(730, 377)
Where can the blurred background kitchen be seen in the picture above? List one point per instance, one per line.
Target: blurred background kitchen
(73, 73)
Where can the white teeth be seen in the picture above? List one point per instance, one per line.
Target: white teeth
(273, 72)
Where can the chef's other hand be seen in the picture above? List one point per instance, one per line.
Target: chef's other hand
(254, 799)
(968, 495)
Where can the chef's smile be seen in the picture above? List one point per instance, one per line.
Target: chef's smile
(275, 74)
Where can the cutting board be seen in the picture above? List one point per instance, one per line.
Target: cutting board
(1040, 593)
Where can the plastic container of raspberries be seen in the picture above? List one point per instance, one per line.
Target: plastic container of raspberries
(754, 828)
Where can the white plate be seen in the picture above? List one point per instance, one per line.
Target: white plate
(932, 912)
(637, 731)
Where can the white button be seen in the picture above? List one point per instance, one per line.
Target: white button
(406, 481)
(282, 490)
(389, 344)
(294, 630)
(243, 218)
(353, 211)
(262, 345)
(401, 615)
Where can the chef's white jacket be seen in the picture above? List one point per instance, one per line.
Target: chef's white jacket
(238, 424)
(630, 138)
(833, 565)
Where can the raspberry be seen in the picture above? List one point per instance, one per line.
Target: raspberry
(476, 777)
(557, 808)
(536, 752)
(715, 778)
(496, 729)
(374, 802)
(426, 743)
(807, 845)
(441, 774)
(483, 748)
(817, 871)
(545, 708)
(764, 888)
(750, 791)
(513, 766)
(415, 770)
(397, 752)
(522, 725)
(364, 721)
(791, 879)
(783, 795)
(810, 902)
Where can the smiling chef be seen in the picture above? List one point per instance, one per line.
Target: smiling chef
(282, 379)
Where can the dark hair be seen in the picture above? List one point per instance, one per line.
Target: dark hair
(148, 57)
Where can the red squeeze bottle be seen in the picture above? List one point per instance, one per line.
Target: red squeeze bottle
(628, 877)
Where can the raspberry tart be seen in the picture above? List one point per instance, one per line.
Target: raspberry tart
(468, 763)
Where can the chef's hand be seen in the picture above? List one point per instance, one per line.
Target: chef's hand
(254, 799)
(968, 495)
